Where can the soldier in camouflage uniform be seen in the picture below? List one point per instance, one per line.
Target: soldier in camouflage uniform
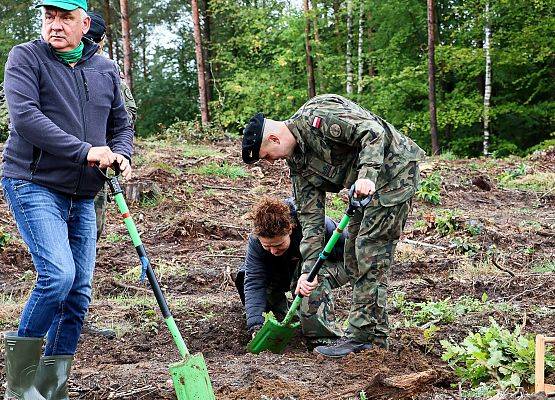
(272, 268)
(331, 143)
(97, 34)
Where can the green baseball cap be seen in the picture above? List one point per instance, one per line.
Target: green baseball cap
(68, 5)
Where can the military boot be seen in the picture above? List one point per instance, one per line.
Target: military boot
(342, 347)
(52, 375)
(22, 359)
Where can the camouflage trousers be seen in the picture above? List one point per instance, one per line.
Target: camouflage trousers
(374, 233)
(317, 311)
(100, 203)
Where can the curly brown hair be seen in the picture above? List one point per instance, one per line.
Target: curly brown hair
(271, 218)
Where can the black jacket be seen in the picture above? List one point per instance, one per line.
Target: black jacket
(263, 270)
(57, 112)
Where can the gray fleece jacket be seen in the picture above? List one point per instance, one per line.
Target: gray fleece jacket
(57, 113)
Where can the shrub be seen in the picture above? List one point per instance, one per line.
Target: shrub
(429, 190)
(495, 354)
(193, 132)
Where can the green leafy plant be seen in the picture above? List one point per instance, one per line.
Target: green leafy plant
(430, 188)
(545, 267)
(5, 239)
(362, 395)
(436, 312)
(222, 169)
(447, 221)
(494, 354)
(463, 245)
(512, 174)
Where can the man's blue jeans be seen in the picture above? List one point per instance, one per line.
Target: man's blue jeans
(60, 232)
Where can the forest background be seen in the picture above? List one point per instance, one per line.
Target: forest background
(272, 55)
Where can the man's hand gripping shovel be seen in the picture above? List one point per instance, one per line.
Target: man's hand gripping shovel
(275, 335)
(190, 375)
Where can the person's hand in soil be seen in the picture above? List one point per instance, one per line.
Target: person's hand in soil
(305, 287)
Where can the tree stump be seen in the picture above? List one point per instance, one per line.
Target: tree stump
(144, 190)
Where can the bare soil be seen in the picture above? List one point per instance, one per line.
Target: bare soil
(195, 232)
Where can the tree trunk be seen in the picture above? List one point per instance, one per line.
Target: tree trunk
(360, 51)
(143, 54)
(309, 65)
(314, 4)
(487, 85)
(108, 19)
(371, 70)
(349, 64)
(432, 78)
(205, 118)
(126, 38)
(336, 10)
(206, 39)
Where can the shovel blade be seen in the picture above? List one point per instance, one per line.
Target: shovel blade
(191, 380)
(272, 336)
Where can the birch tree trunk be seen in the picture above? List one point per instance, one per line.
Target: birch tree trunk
(487, 85)
(126, 38)
(108, 19)
(205, 117)
(309, 64)
(349, 64)
(432, 78)
(360, 50)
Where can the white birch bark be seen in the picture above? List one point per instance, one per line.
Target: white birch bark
(349, 66)
(360, 43)
(487, 85)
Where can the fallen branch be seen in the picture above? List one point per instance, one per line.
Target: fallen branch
(423, 244)
(501, 268)
(131, 392)
(130, 287)
(223, 187)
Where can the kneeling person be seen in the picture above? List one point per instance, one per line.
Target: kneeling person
(272, 268)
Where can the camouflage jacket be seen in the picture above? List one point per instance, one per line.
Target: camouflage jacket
(339, 142)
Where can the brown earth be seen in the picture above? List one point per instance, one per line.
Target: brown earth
(195, 233)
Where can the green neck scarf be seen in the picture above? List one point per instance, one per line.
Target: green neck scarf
(71, 56)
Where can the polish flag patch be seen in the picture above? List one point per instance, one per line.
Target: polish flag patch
(317, 122)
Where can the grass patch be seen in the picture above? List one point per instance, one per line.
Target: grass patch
(222, 170)
(164, 166)
(470, 270)
(198, 151)
(545, 267)
(335, 207)
(538, 182)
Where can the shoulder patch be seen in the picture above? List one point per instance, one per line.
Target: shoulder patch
(335, 130)
(317, 122)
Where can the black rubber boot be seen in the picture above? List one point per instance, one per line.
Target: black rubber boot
(342, 347)
(52, 375)
(22, 359)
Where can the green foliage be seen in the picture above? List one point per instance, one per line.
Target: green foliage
(5, 240)
(512, 174)
(437, 312)
(362, 395)
(430, 189)
(495, 355)
(222, 169)
(538, 182)
(546, 144)
(197, 151)
(447, 221)
(546, 267)
(335, 207)
(463, 245)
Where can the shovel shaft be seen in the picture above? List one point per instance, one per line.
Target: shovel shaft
(321, 258)
(141, 251)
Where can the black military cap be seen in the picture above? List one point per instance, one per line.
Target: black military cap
(97, 31)
(252, 138)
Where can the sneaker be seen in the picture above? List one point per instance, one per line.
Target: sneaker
(342, 347)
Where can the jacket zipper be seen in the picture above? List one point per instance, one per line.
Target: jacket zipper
(83, 116)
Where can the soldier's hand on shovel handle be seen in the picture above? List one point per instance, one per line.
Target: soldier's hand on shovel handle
(305, 287)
